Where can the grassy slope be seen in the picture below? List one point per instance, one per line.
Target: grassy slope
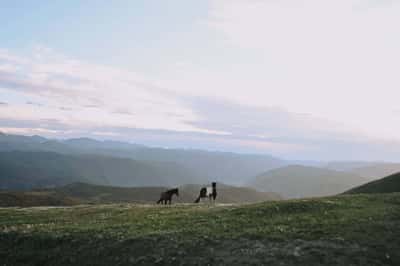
(342, 230)
(384, 185)
(35, 198)
(79, 193)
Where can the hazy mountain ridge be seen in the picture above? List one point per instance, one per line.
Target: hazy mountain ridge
(346, 165)
(377, 170)
(35, 161)
(371, 170)
(26, 170)
(296, 181)
(221, 166)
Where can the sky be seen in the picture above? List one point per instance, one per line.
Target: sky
(307, 80)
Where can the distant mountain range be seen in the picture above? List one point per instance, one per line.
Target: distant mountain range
(82, 193)
(31, 162)
(345, 165)
(384, 185)
(27, 170)
(220, 166)
(296, 181)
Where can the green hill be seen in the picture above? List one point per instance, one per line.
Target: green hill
(297, 181)
(342, 230)
(81, 193)
(385, 185)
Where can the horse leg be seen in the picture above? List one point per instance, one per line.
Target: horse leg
(198, 199)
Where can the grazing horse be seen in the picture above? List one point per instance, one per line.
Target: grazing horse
(167, 196)
(210, 192)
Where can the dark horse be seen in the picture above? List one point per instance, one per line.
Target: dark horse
(210, 192)
(167, 196)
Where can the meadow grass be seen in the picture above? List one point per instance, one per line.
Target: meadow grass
(347, 229)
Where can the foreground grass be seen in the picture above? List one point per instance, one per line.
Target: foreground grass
(342, 230)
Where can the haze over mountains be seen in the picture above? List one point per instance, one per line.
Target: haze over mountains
(370, 170)
(296, 181)
(31, 162)
(29, 169)
(200, 166)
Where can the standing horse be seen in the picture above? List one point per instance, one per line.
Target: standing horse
(210, 192)
(167, 196)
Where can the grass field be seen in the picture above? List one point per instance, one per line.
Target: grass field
(81, 193)
(342, 230)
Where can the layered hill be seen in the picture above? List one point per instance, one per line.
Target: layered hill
(385, 185)
(82, 193)
(297, 181)
(221, 166)
(27, 170)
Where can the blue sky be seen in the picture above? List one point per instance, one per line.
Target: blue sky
(297, 79)
(127, 33)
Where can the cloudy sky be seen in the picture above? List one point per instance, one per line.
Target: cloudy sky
(299, 79)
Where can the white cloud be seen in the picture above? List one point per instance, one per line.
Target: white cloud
(338, 60)
(62, 82)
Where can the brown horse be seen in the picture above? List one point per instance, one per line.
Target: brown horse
(167, 196)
